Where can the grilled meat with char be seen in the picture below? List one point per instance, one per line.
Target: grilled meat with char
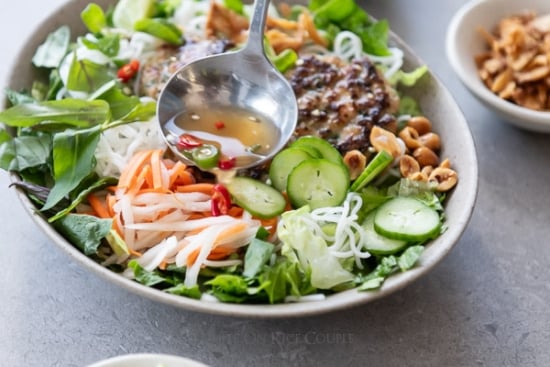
(341, 101)
(157, 69)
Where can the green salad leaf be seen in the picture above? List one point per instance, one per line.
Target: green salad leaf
(257, 255)
(53, 50)
(85, 231)
(93, 18)
(160, 28)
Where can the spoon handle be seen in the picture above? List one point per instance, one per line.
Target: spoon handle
(255, 43)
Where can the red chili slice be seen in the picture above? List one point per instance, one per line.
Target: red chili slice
(227, 163)
(128, 71)
(219, 125)
(221, 200)
(188, 141)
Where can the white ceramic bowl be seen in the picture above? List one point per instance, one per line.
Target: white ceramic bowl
(436, 102)
(147, 360)
(464, 42)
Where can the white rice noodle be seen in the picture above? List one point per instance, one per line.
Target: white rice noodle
(348, 45)
(186, 226)
(118, 145)
(349, 237)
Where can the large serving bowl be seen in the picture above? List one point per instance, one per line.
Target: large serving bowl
(436, 103)
(464, 42)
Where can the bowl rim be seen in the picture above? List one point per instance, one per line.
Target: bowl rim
(436, 252)
(456, 58)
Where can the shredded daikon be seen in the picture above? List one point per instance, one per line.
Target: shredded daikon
(117, 145)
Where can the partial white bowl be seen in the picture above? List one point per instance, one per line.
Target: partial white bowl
(464, 42)
(147, 360)
(436, 102)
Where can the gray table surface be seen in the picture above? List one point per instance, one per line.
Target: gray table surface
(486, 304)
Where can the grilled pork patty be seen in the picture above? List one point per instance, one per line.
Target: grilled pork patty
(341, 101)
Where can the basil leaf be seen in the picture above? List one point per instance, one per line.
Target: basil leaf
(53, 50)
(84, 231)
(108, 45)
(160, 28)
(82, 195)
(17, 98)
(257, 255)
(141, 112)
(121, 104)
(93, 18)
(182, 290)
(73, 160)
(24, 152)
(87, 76)
(145, 277)
(68, 111)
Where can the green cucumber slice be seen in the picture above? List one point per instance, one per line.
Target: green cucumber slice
(318, 183)
(283, 163)
(258, 198)
(327, 151)
(377, 244)
(407, 219)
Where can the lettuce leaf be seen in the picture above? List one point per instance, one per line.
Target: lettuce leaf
(310, 251)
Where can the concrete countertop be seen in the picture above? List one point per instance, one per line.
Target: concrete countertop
(486, 304)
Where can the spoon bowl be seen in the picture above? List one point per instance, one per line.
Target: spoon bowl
(243, 80)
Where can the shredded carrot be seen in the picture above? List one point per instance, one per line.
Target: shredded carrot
(156, 168)
(135, 253)
(98, 206)
(236, 211)
(205, 188)
(238, 227)
(129, 175)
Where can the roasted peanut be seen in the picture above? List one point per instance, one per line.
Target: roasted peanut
(430, 140)
(426, 157)
(427, 170)
(356, 162)
(421, 124)
(382, 139)
(410, 136)
(408, 165)
(445, 178)
(445, 164)
(418, 176)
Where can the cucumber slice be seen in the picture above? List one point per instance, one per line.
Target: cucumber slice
(377, 244)
(380, 161)
(258, 198)
(407, 219)
(327, 151)
(318, 183)
(283, 163)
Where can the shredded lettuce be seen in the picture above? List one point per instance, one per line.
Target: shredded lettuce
(311, 251)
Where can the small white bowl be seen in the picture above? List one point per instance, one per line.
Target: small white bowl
(147, 360)
(464, 42)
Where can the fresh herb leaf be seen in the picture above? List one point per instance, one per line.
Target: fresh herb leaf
(87, 76)
(108, 45)
(53, 50)
(182, 290)
(85, 231)
(83, 194)
(146, 277)
(93, 18)
(235, 5)
(73, 160)
(121, 104)
(160, 28)
(23, 152)
(68, 111)
(17, 98)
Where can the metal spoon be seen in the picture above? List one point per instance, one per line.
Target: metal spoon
(244, 80)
